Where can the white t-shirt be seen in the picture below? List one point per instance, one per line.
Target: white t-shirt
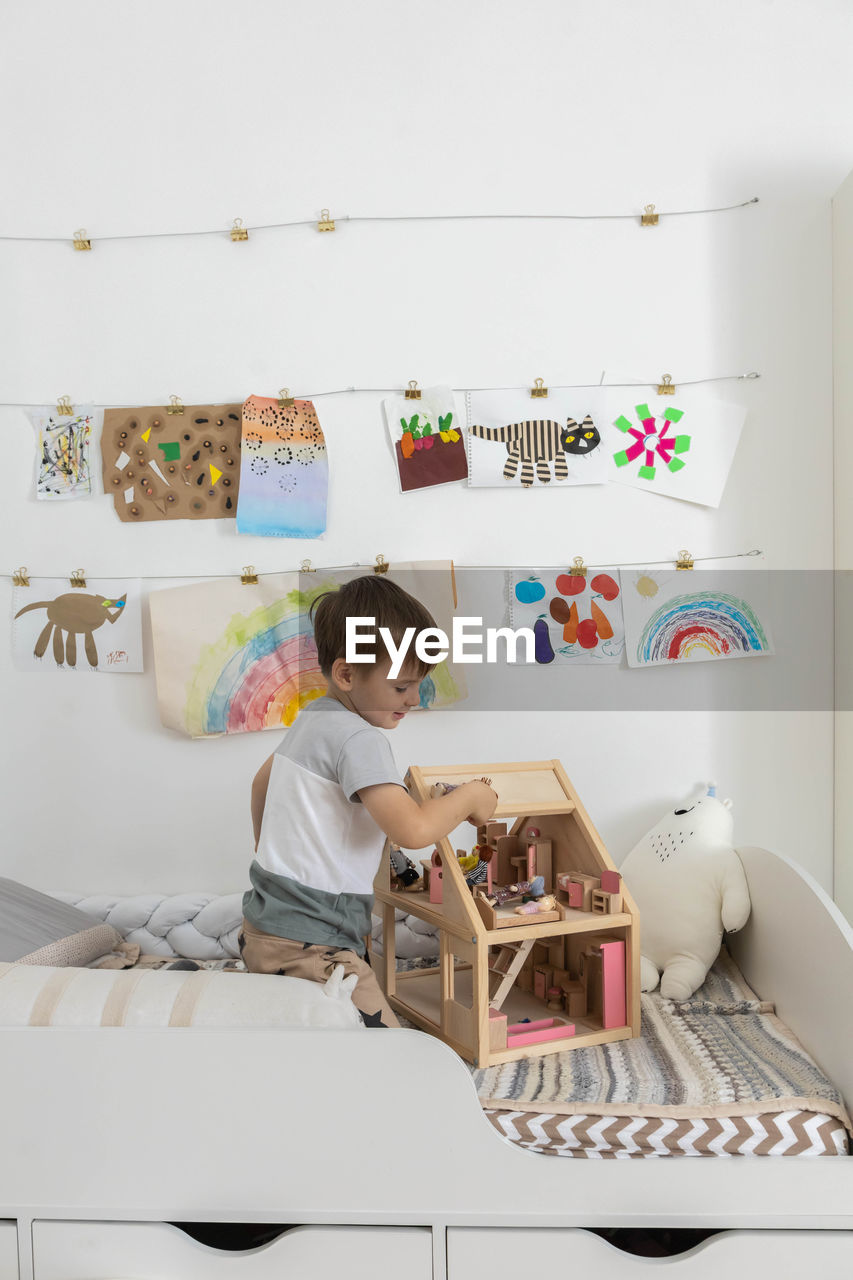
(319, 848)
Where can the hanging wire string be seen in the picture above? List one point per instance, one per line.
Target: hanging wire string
(504, 568)
(409, 217)
(648, 564)
(342, 391)
(552, 386)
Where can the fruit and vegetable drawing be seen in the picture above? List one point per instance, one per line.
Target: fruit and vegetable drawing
(426, 439)
(419, 435)
(574, 616)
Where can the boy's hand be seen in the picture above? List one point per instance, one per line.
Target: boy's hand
(418, 826)
(484, 801)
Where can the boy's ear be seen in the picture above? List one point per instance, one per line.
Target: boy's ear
(341, 674)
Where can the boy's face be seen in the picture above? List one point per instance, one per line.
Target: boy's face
(373, 694)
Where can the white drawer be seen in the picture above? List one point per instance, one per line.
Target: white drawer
(785, 1255)
(156, 1251)
(8, 1250)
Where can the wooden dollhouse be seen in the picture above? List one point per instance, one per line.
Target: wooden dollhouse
(514, 979)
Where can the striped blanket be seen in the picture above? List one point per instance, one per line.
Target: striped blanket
(716, 1075)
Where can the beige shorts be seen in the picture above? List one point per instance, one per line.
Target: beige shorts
(265, 953)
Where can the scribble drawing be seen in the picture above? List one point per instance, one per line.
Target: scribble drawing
(64, 457)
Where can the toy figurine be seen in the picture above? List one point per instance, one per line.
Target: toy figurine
(503, 894)
(404, 870)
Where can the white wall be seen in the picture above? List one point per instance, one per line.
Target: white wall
(175, 116)
(842, 314)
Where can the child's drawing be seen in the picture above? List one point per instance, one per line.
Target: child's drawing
(235, 658)
(284, 470)
(162, 465)
(63, 442)
(59, 626)
(681, 446)
(514, 439)
(695, 616)
(426, 438)
(575, 618)
(653, 441)
(540, 441)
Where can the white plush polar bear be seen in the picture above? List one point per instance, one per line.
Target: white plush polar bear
(689, 885)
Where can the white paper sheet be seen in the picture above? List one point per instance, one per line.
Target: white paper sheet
(93, 628)
(681, 446)
(579, 619)
(563, 449)
(698, 615)
(64, 443)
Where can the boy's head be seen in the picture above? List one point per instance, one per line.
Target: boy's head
(366, 686)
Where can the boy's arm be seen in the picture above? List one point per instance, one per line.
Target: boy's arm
(415, 826)
(259, 796)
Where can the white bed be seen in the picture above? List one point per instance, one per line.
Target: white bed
(375, 1147)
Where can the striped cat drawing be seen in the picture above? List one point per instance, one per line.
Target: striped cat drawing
(541, 441)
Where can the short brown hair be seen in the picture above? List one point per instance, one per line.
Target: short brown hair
(371, 596)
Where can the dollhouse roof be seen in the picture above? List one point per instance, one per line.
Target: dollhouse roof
(531, 787)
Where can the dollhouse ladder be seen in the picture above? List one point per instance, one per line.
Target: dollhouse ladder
(510, 973)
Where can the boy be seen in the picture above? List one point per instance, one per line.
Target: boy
(325, 800)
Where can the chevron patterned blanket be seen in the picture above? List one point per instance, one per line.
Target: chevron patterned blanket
(716, 1075)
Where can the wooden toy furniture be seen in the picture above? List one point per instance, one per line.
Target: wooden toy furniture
(494, 961)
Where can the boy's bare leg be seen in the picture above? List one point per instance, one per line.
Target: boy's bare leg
(265, 953)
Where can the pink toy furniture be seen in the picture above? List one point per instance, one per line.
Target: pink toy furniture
(436, 879)
(538, 1032)
(612, 978)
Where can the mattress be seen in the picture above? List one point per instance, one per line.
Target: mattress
(717, 1075)
(596, 1137)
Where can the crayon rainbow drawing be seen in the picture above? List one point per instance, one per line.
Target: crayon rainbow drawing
(699, 626)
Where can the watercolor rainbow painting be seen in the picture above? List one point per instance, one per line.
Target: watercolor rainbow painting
(263, 669)
(258, 674)
(699, 626)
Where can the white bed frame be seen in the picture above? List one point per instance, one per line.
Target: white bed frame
(375, 1144)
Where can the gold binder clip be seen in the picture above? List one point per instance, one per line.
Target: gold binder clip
(666, 386)
(64, 407)
(285, 399)
(176, 405)
(238, 231)
(538, 390)
(305, 567)
(81, 240)
(21, 577)
(649, 217)
(684, 561)
(326, 223)
(413, 391)
(248, 577)
(381, 566)
(78, 578)
(577, 569)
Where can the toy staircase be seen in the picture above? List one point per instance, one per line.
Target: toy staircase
(508, 963)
